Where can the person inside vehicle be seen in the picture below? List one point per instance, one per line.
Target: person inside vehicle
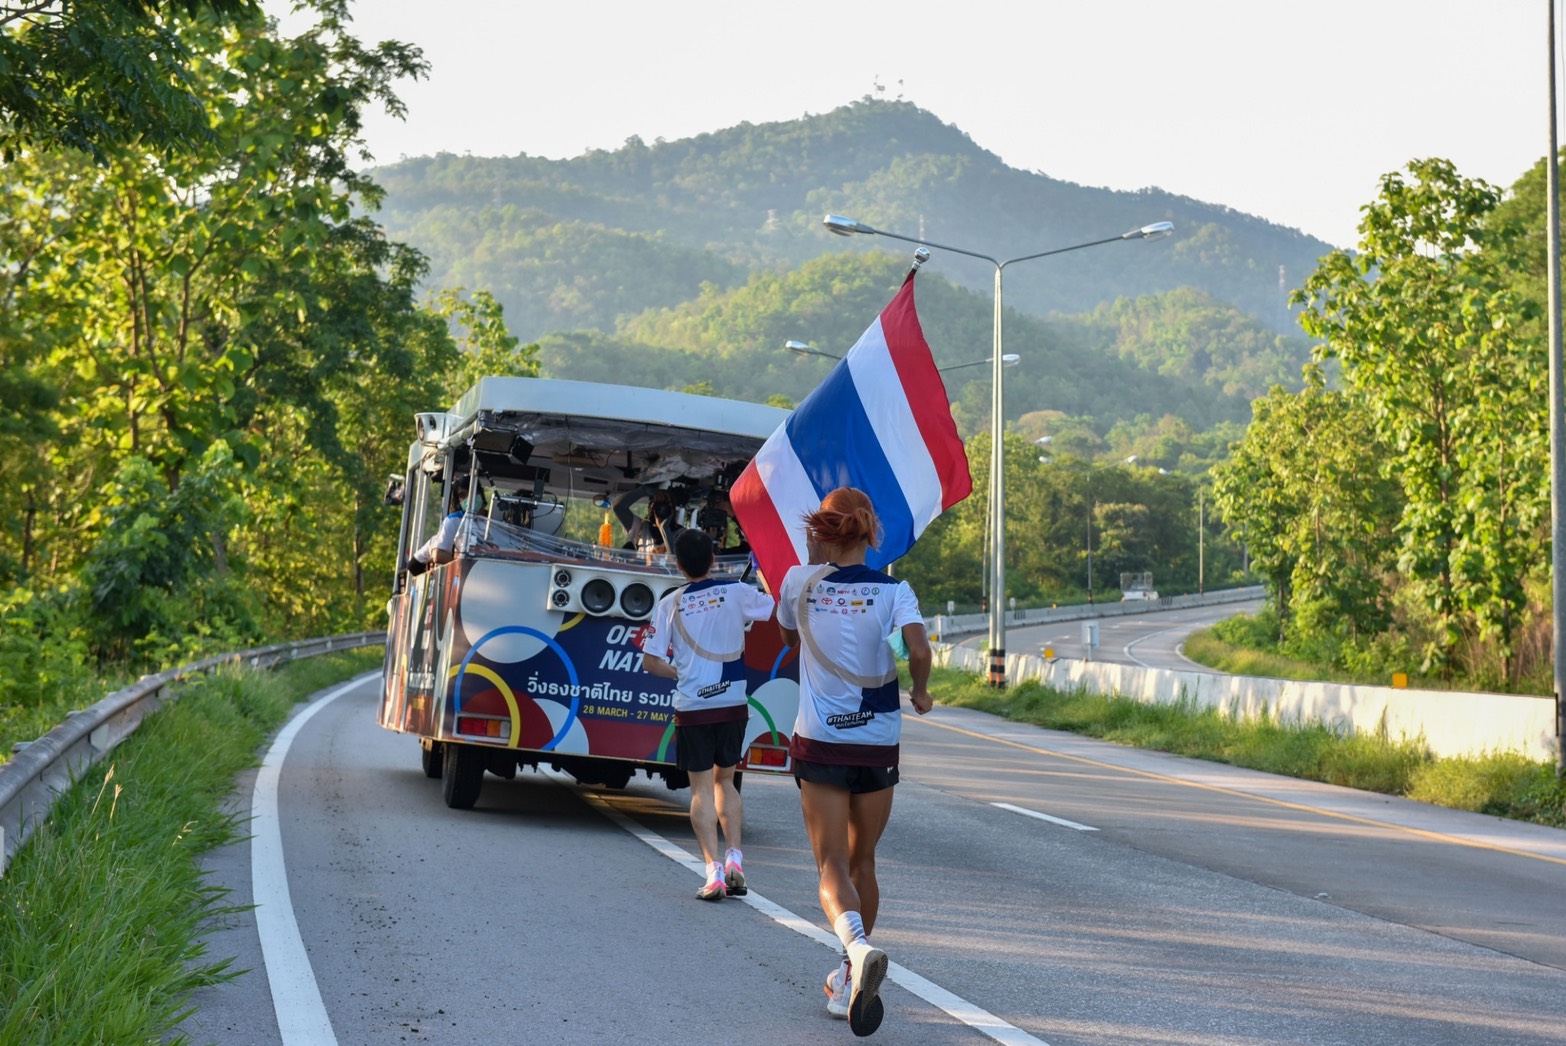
(717, 520)
(653, 532)
(438, 549)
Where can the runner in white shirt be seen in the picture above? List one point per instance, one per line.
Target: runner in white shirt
(697, 638)
(840, 612)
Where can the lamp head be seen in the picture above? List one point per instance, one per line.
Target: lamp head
(844, 226)
(1156, 231)
(1010, 359)
(804, 348)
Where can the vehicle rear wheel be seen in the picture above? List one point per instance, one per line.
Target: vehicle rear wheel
(432, 758)
(462, 776)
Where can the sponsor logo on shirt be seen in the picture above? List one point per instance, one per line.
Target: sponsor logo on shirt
(714, 689)
(849, 720)
(701, 604)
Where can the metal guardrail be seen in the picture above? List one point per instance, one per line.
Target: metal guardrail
(946, 626)
(43, 769)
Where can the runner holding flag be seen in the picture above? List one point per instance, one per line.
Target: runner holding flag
(824, 509)
(845, 746)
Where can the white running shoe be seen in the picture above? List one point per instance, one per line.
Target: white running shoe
(713, 889)
(867, 970)
(836, 988)
(734, 878)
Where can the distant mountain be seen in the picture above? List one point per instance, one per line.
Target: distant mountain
(589, 242)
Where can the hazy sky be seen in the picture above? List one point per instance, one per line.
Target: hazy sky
(1291, 111)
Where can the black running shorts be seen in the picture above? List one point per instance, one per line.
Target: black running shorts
(857, 779)
(698, 748)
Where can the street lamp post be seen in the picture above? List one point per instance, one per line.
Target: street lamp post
(997, 522)
(1557, 420)
(1091, 509)
(1201, 541)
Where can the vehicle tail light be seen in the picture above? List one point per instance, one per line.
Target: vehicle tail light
(767, 757)
(483, 726)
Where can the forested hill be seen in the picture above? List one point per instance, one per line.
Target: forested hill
(587, 242)
(1180, 354)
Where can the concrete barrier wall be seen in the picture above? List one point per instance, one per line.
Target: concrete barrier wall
(1450, 723)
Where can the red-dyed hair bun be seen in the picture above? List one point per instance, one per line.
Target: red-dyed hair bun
(845, 518)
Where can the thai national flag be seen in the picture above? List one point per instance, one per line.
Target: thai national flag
(880, 422)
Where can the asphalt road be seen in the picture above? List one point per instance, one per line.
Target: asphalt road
(1036, 887)
(1150, 640)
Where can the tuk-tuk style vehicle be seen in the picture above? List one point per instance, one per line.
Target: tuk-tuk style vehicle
(524, 648)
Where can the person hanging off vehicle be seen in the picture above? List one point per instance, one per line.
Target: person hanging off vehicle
(438, 549)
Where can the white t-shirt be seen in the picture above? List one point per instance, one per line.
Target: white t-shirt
(708, 654)
(849, 614)
(444, 539)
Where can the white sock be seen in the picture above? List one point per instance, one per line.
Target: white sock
(714, 870)
(849, 929)
(734, 857)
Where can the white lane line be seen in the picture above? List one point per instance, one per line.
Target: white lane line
(1046, 817)
(975, 1017)
(1142, 639)
(296, 998)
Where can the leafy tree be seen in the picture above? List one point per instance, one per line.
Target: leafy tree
(228, 297)
(487, 347)
(1425, 325)
(101, 75)
(1140, 519)
(1306, 493)
(152, 577)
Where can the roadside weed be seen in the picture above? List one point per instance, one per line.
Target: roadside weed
(102, 911)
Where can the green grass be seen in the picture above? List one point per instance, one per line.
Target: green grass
(1207, 649)
(1506, 785)
(102, 911)
(30, 720)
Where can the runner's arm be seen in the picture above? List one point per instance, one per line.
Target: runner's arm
(659, 667)
(757, 605)
(786, 597)
(920, 657)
